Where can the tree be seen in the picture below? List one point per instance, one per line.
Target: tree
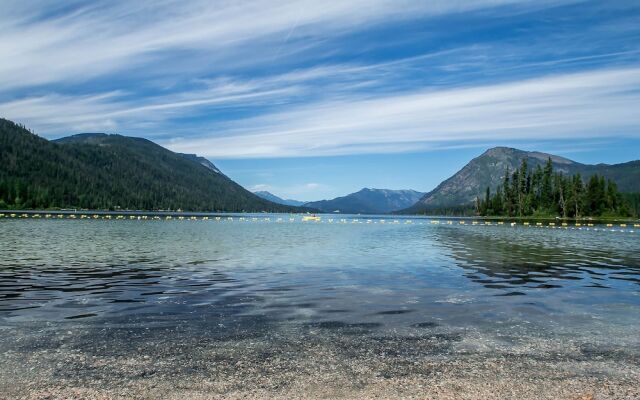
(524, 193)
(595, 196)
(522, 186)
(561, 185)
(508, 193)
(546, 189)
(578, 196)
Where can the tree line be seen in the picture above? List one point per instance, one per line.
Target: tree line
(111, 172)
(545, 192)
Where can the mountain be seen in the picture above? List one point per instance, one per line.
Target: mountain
(369, 201)
(202, 161)
(488, 169)
(275, 199)
(100, 171)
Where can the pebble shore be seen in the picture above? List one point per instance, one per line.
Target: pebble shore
(312, 363)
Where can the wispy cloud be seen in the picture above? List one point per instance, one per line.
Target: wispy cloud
(169, 71)
(590, 104)
(317, 86)
(44, 43)
(260, 187)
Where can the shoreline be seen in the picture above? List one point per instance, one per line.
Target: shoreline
(187, 214)
(312, 366)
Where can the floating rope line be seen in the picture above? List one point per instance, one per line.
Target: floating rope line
(587, 226)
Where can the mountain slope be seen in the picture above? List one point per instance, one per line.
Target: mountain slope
(275, 199)
(369, 201)
(202, 161)
(489, 168)
(109, 171)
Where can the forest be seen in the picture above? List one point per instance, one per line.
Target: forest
(542, 192)
(98, 171)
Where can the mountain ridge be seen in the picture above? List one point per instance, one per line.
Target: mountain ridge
(368, 201)
(104, 171)
(488, 169)
(276, 199)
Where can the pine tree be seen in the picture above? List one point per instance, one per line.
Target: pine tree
(525, 193)
(546, 190)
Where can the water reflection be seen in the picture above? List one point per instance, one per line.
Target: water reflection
(237, 277)
(533, 259)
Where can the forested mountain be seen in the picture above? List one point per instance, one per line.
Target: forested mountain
(272, 197)
(99, 171)
(544, 192)
(369, 201)
(457, 194)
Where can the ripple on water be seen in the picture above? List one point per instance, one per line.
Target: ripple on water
(352, 278)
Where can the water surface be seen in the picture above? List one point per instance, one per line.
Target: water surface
(115, 288)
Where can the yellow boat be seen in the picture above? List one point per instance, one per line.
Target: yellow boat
(311, 218)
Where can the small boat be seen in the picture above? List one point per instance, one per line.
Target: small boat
(312, 217)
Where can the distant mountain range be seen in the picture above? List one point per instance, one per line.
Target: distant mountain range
(100, 171)
(369, 201)
(273, 198)
(488, 169)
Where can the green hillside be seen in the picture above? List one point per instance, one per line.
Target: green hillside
(99, 171)
(457, 194)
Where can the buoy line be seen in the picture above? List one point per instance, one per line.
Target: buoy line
(587, 226)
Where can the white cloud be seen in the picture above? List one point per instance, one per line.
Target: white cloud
(310, 191)
(260, 187)
(290, 115)
(81, 41)
(599, 103)
(589, 104)
(55, 113)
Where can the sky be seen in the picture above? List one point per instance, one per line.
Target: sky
(312, 100)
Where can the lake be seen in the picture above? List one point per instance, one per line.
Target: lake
(271, 306)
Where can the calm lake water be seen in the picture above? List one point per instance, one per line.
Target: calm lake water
(114, 287)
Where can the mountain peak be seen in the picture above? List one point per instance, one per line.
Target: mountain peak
(502, 151)
(488, 169)
(369, 201)
(81, 137)
(278, 200)
(99, 171)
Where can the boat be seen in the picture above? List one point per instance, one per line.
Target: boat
(312, 217)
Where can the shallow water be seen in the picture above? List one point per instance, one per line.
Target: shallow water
(124, 285)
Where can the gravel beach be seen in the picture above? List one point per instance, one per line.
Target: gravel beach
(310, 362)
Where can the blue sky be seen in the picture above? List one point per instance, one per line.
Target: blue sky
(313, 100)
